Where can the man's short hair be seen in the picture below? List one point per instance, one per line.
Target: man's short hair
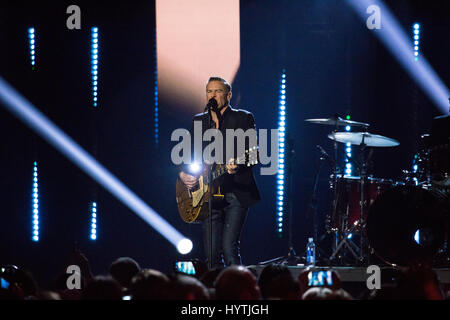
(225, 82)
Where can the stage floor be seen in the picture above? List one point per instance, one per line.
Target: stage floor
(355, 274)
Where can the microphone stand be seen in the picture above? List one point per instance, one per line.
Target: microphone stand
(211, 106)
(362, 221)
(292, 256)
(313, 205)
(335, 200)
(210, 263)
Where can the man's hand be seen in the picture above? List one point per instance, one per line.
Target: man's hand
(231, 166)
(188, 180)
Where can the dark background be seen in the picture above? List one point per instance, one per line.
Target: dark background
(334, 64)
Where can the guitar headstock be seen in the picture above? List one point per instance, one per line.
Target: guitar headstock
(251, 156)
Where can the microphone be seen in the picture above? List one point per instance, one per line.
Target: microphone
(322, 151)
(325, 155)
(212, 105)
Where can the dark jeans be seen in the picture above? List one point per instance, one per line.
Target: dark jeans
(227, 225)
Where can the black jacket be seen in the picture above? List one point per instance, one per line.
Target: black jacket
(242, 183)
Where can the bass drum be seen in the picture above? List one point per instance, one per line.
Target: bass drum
(408, 224)
(348, 210)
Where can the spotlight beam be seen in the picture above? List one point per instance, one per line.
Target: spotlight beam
(397, 42)
(37, 121)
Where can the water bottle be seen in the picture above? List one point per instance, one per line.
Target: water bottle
(310, 253)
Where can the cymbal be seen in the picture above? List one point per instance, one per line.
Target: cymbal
(358, 138)
(338, 121)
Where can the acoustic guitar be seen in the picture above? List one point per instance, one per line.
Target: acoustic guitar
(193, 204)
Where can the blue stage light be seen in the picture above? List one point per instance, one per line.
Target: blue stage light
(416, 31)
(94, 65)
(185, 246)
(32, 42)
(195, 168)
(35, 205)
(93, 221)
(417, 236)
(348, 152)
(281, 153)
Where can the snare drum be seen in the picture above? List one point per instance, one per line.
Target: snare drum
(348, 211)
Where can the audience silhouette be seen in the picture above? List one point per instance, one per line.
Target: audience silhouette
(126, 280)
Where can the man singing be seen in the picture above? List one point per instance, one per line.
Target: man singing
(238, 186)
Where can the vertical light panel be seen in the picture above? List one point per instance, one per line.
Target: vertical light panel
(94, 64)
(32, 46)
(281, 155)
(416, 39)
(348, 164)
(93, 221)
(348, 153)
(35, 205)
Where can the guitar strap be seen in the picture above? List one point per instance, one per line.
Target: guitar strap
(219, 117)
(219, 194)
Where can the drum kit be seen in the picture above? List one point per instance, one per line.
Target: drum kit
(399, 222)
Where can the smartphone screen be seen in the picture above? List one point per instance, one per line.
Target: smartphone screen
(320, 278)
(185, 267)
(4, 283)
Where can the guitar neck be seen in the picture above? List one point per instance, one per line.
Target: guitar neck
(223, 169)
(218, 172)
(215, 174)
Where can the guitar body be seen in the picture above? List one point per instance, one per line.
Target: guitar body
(193, 205)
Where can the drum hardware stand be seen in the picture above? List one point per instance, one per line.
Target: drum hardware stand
(345, 241)
(361, 204)
(361, 222)
(335, 148)
(291, 258)
(313, 204)
(339, 244)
